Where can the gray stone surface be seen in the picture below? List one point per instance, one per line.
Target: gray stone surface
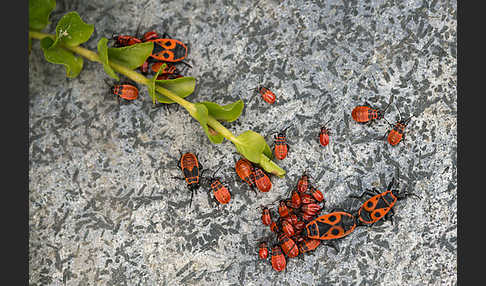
(105, 210)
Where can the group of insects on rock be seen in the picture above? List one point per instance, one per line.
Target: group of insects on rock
(167, 51)
(299, 228)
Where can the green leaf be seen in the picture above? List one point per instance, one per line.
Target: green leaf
(72, 31)
(58, 55)
(270, 166)
(183, 87)
(201, 115)
(151, 86)
(39, 11)
(229, 112)
(252, 145)
(103, 54)
(131, 56)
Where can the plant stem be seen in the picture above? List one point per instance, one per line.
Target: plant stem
(135, 76)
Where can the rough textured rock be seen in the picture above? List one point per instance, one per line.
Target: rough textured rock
(105, 209)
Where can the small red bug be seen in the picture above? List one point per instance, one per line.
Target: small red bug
(324, 135)
(298, 239)
(244, 169)
(296, 200)
(309, 245)
(150, 35)
(299, 225)
(287, 228)
(144, 68)
(124, 90)
(307, 199)
(267, 95)
(288, 245)
(398, 131)
(278, 259)
(380, 205)
(365, 113)
(316, 194)
(307, 217)
(283, 211)
(311, 209)
(262, 181)
(330, 226)
(221, 193)
(190, 167)
(274, 227)
(263, 250)
(293, 219)
(266, 217)
(303, 183)
(281, 147)
(169, 69)
(123, 41)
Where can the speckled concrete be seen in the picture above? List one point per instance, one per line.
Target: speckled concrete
(104, 208)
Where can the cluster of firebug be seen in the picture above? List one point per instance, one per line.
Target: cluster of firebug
(300, 228)
(288, 224)
(166, 51)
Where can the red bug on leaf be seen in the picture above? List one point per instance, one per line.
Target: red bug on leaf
(124, 40)
(150, 35)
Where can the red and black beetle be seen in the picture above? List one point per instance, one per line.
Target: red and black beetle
(330, 226)
(380, 205)
(191, 168)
